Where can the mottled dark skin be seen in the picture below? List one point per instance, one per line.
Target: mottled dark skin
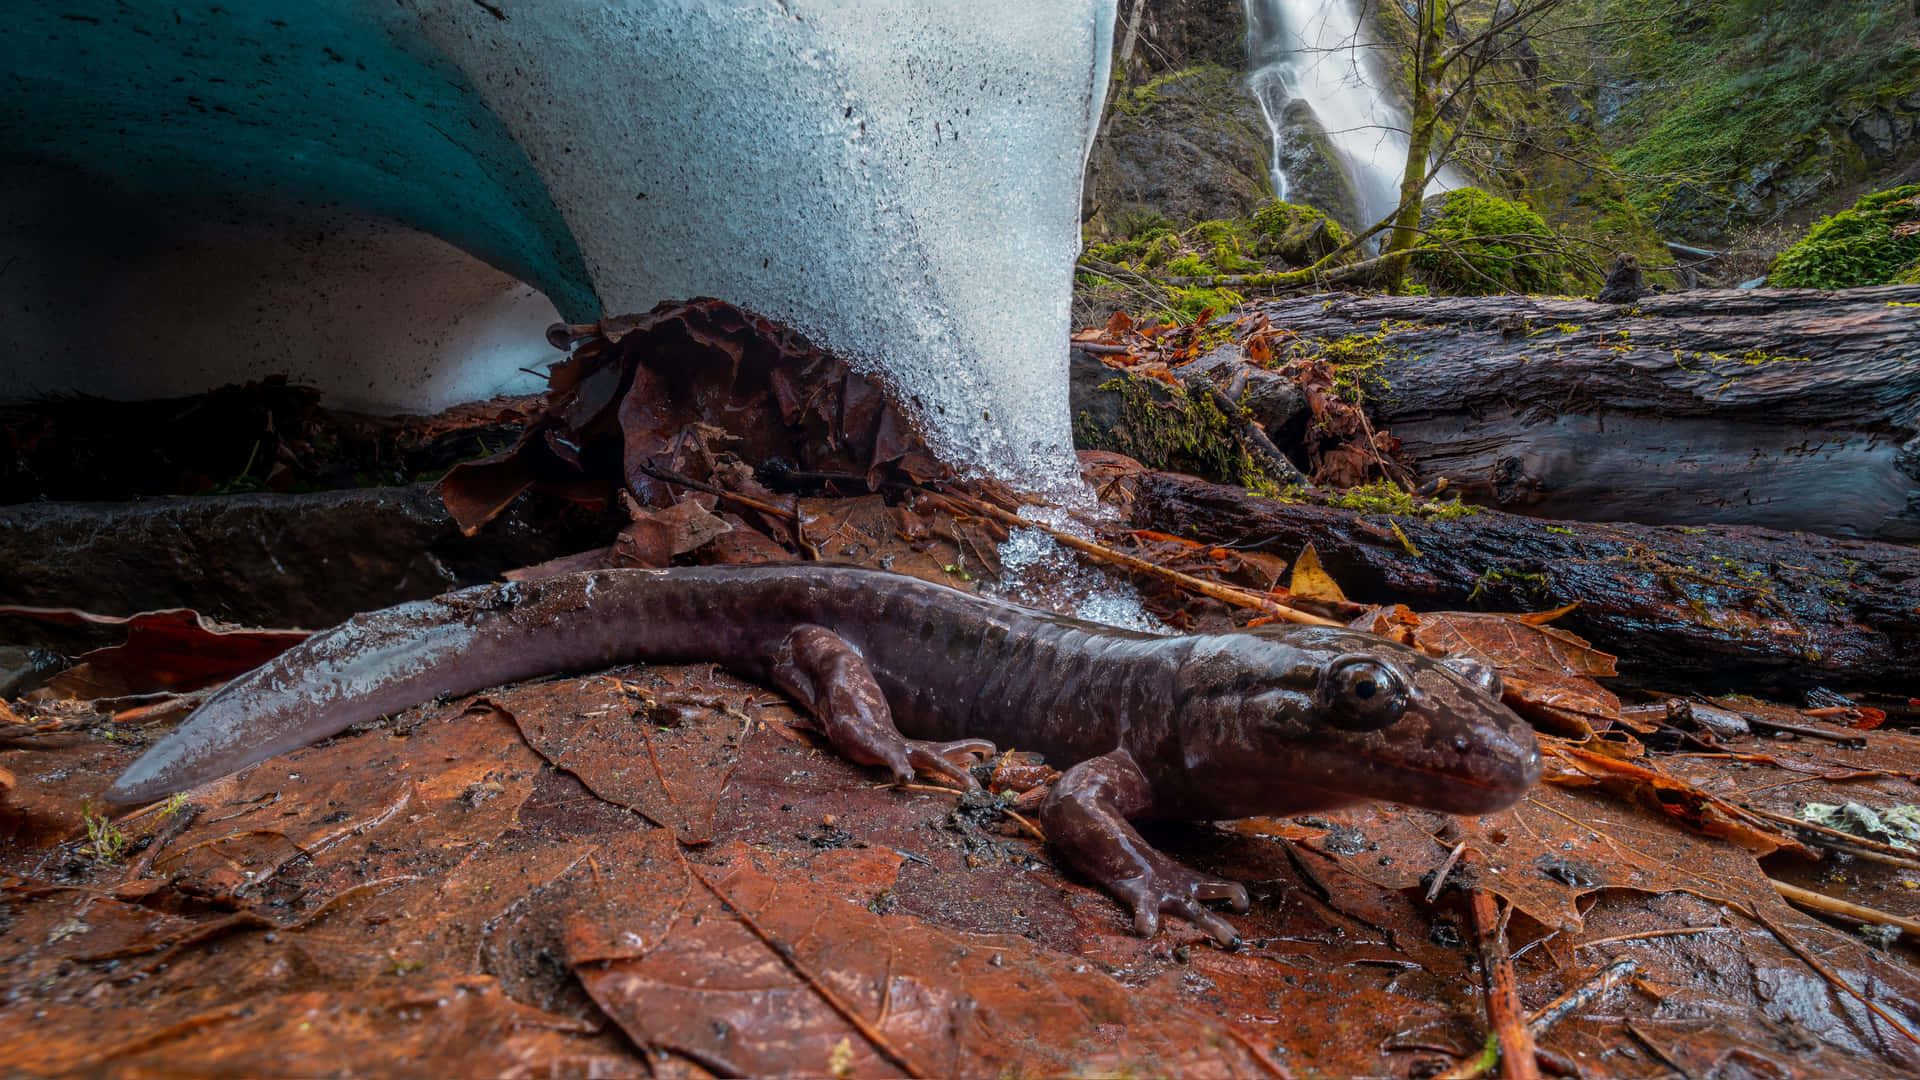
(1279, 720)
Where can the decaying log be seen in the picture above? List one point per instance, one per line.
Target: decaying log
(1713, 607)
(1788, 408)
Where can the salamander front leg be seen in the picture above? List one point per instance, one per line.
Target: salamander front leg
(1086, 818)
(820, 669)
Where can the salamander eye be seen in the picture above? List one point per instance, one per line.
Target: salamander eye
(1362, 694)
(1477, 672)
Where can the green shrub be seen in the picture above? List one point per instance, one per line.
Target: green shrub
(1460, 254)
(1859, 246)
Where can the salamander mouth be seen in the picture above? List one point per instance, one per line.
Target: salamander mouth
(1448, 792)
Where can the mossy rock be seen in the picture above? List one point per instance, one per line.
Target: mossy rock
(1299, 235)
(1314, 175)
(1859, 246)
(1190, 146)
(1479, 243)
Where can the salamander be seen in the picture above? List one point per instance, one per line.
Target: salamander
(910, 675)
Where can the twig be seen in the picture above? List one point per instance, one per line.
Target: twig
(1259, 1055)
(1503, 992)
(1835, 778)
(1446, 867)
(827, 994)
(1853, 739)
(1028, 825)
(1651, 1047)
(668, 476)
(1793, 945)
(1856, 845)
(1224, 593)
(1596, 985)
(1821, 902)
(1024, 823)
(1649, 935)
(1540, 1023)
(170, 829)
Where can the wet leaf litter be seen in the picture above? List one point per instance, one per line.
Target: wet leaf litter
(656, 870)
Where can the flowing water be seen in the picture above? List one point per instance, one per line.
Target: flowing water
(1320, 53)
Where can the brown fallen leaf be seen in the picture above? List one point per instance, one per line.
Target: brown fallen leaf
(696, 387)
(653, 537)
(463, 1026)
(176, 649)
(310, 810)
(1548, 672)
(1698, 810)
(797, 974)
(646, 744)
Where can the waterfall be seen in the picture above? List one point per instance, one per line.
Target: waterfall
(1318, 53)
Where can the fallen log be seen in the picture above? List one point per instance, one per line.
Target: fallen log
(1712, 607)
(1788, 408)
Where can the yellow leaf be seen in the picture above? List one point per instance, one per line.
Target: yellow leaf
(1310, 581)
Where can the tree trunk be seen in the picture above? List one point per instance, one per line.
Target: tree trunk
(1711, 609)
(1422, 118)
(1795, 409)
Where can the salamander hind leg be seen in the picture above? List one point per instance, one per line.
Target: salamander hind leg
(1086, 818)
(827, 675)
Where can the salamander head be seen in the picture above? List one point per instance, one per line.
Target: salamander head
(1288, 719)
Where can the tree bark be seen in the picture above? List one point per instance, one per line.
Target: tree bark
(1710, 609)
(1422, 116)
(1784, 408)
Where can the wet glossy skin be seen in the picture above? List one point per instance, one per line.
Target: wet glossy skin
(1274, 721)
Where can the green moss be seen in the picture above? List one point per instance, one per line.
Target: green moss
(1359, 361)
(1858, 246)
(106, 842)
(1298, 235)
(1508, 580)
(1481, 243)
(1165, 428)
(1190, 266)
(1142, 224)
(1380, 497)
(1191, 303)
(1144, 97)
